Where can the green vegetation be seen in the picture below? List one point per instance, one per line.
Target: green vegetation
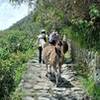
(83, 17)
(92, 90)
(15, 50)
(27, 25)
(87, 81)
(87, 32)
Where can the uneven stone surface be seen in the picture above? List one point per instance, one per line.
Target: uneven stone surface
(36, 86)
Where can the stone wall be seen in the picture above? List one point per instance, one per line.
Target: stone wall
(90, 59)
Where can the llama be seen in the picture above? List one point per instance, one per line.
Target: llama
(64, 46)
(53, 56)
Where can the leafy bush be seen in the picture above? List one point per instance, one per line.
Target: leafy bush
(16, 49)
(92, 89)
(4, 54)
(94, 11)
(87, 32)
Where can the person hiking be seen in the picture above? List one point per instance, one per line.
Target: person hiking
(42, 39)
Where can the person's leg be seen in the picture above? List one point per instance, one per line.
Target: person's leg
(40, 54)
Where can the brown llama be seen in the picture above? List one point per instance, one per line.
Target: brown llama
(53, 56)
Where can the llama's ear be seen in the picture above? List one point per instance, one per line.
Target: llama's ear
(61, 43)
(58, 51)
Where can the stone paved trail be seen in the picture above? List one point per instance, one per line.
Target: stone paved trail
(36, 86)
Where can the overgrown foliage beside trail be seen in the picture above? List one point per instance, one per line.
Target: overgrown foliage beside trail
(16, 48)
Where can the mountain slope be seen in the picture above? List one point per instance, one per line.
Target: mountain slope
(26, 24)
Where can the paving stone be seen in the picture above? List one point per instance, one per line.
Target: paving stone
(43, 98)
(76, 89)
(27, 85)
(28, 98)
(37, 87)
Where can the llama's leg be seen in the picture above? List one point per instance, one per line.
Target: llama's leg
(46, 70)
(49, 68)
(59, 73)
(56, 75)
(59, 69)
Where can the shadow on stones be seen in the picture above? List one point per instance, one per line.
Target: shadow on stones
(62, 81)
(60, 97)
